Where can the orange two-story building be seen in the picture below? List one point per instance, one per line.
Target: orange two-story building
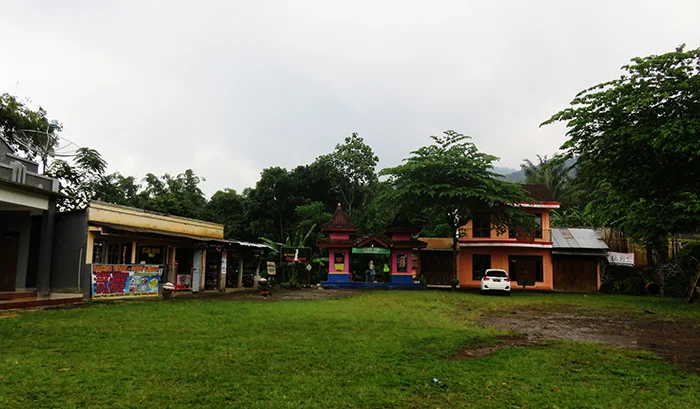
(526, 255)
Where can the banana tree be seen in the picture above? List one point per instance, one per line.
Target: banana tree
(299, 239)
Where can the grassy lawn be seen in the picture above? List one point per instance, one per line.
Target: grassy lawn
(373, 350)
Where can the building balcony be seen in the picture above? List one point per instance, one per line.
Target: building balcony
(536, 236)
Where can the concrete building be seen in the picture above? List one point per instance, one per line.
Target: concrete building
(27, 214)
(192, 254)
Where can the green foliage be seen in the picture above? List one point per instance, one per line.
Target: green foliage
(353, 175)
(638, 142)
(553, 173)
(16, 116)
(572, 217)
(271, 204)
(450, 181)
(228, 208)
(79, 179)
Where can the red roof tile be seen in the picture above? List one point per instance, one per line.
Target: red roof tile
(339, 222)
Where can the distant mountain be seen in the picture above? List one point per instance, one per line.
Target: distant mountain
(503, 171)
(518, 176)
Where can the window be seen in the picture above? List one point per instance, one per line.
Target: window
(526, 269)
(512, 233)
(538, 225)
(496, 273)
(481, 227)
(97, 248)
(150, 255)
(480, 263)
(118, 253)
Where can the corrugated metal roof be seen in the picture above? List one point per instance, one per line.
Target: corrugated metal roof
(567, 238)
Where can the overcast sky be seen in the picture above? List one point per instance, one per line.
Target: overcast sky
(228, 88)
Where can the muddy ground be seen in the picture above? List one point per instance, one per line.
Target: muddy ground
(678, 342)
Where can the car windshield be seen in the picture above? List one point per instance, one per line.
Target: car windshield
(496, 273)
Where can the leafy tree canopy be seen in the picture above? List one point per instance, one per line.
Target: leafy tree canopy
(638, 142)
(452, 181)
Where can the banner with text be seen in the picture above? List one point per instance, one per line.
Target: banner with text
(125, 280)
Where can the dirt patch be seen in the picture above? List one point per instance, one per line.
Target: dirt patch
(675, 341)
(306, 294)
(505, 342)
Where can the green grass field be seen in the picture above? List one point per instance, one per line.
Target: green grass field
(373, 350)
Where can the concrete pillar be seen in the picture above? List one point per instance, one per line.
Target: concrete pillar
(256, 279)
(133, 252)
(172, 251)
(223, 271)
(203, 275)
(46, 249)
(240, 271)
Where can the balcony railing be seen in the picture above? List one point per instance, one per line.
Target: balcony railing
(517, 235)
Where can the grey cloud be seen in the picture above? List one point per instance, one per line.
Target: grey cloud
(228, 88)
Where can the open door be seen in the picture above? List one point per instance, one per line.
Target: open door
(9, 252)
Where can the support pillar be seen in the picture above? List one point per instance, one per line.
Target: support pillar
(203, 275)
(256, 279)
(46, 249)
(223, 272)
(240, 271)
(133, 252)
(339, 265)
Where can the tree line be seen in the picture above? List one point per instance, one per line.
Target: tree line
(631, 162)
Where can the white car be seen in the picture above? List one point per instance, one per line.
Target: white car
(495, 280)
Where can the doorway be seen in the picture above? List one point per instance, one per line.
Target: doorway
(9, 255)
(213, 270)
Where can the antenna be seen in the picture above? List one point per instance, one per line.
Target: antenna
(46, 143)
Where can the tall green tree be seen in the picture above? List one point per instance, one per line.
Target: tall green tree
(228, 208)
(352, 168)
(178, 195)
(638, 142)
(553, 173)
(80, 179)
(452, 181)
(17, 121)
(271, 204)
(118, 189)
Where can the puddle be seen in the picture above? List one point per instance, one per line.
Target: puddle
(675, 341)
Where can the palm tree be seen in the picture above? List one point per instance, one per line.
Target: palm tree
(554, 173)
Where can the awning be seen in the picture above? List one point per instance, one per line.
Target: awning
(144, 230)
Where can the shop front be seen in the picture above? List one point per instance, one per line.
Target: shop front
(112, 250)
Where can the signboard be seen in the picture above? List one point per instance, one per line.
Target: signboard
(401, 263)
(370, 250)
(271, 268)
(125, 280)
(621, 259)
(184, 282)
(339, 261)
(296, 254)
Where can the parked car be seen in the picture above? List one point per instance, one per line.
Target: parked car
(495, 280)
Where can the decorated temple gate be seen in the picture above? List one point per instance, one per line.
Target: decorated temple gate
(343, 242)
